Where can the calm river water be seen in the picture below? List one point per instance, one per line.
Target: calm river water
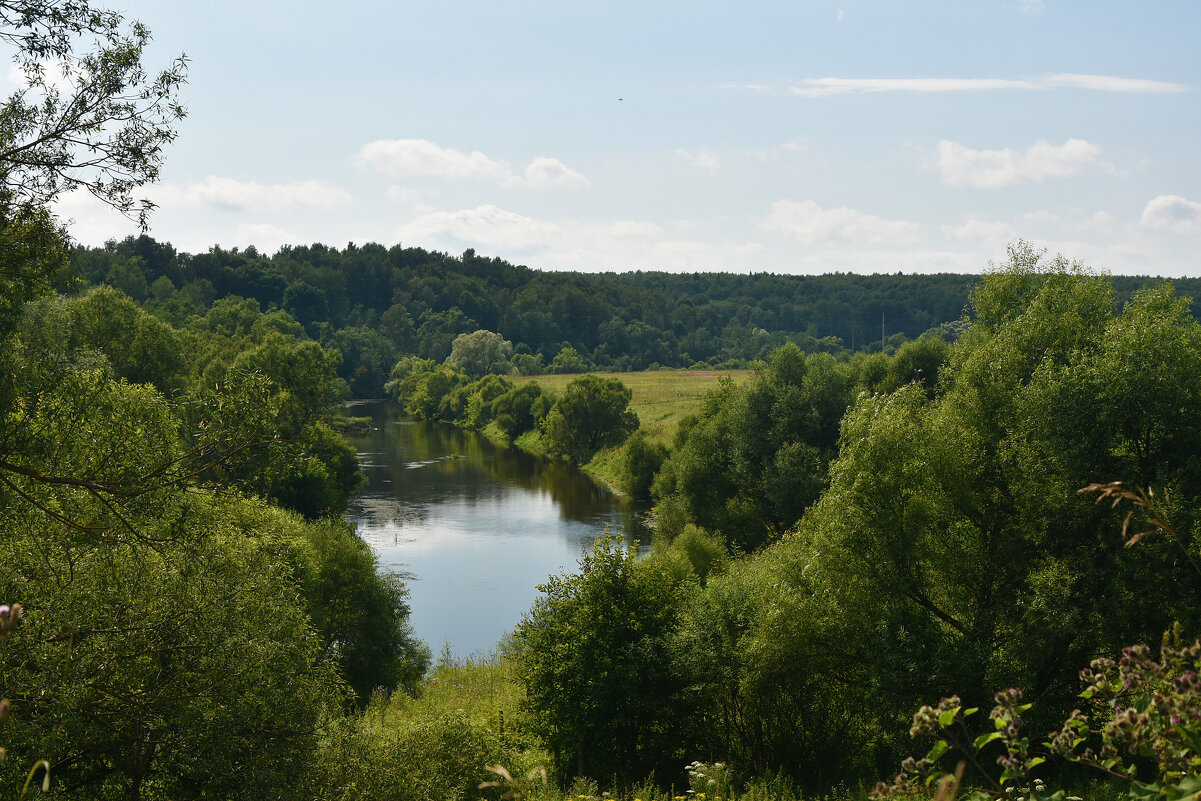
(474, 527)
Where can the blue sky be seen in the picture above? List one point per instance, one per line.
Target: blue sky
(801, 137)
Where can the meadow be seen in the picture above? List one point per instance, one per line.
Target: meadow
(661, 397)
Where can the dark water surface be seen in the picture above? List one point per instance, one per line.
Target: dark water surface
(474, 527)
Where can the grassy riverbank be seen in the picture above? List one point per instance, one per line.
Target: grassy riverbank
(661, 397)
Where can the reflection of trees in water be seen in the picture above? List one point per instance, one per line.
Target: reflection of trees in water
(421, 463)
(377, 512)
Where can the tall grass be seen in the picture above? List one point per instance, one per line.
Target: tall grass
(661, 397)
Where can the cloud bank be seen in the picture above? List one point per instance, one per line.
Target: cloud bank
(810, 224)
(401, 158)
(826, 87)
(962, 166)
(1173, 213)
(233, 195)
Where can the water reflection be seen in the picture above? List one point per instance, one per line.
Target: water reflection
(475, 527)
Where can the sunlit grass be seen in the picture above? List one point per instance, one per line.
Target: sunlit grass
(480, 689)
(660, 397)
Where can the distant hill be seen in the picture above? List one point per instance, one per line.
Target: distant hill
(375, 303)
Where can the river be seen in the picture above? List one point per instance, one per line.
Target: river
(474, 527)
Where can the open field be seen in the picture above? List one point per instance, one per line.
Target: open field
(661, 397)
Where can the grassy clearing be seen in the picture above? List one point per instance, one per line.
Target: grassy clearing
(661, 397)
(480, 690)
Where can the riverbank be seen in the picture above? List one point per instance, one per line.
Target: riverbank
(660, 398)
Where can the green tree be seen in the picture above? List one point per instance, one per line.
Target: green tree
(521, 408)
(593, 655)
(756, 457)
(307, 303)
(159, 610)
(303, 370)
(93, 120)
(437, 331)
(641, 460)
(591, 414)
(366, 358)
(140, 347)
(568, 360)
(360, 613)
(481, 353)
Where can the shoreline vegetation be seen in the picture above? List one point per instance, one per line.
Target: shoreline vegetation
(660, 398)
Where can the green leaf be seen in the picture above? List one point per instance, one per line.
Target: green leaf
(1036, 762)
(1186, 789)
(967, 713)
(1139, 792)
(1193, 737)
(937, 751)
(985, 739)
(948, 717)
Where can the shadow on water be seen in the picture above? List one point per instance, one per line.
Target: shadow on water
(476, 527)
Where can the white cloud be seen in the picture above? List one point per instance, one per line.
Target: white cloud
(1110, 83)
(962, 166)
(981, 231)
(1173, 213)
(228, 193)
(548, 173)
(840, 16)
(1101, 222)
(403, 157)
(701, 157)
(408, 157)
(489, 226)
(580, 244)
(1032, 8)
(823, 87)
(403, 194)
(265, 237)
(494, 228)
(809, 223)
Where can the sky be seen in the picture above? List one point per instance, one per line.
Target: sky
(786, 137)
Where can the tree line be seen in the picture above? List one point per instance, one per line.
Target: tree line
(374, 304)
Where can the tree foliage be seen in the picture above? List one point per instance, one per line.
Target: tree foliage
(592, 413)
(952, 551)
(593, 655)
(756, 456)
(93, 120)
(481, 353)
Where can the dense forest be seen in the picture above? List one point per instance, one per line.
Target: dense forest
(374, 304)
(992, 503)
